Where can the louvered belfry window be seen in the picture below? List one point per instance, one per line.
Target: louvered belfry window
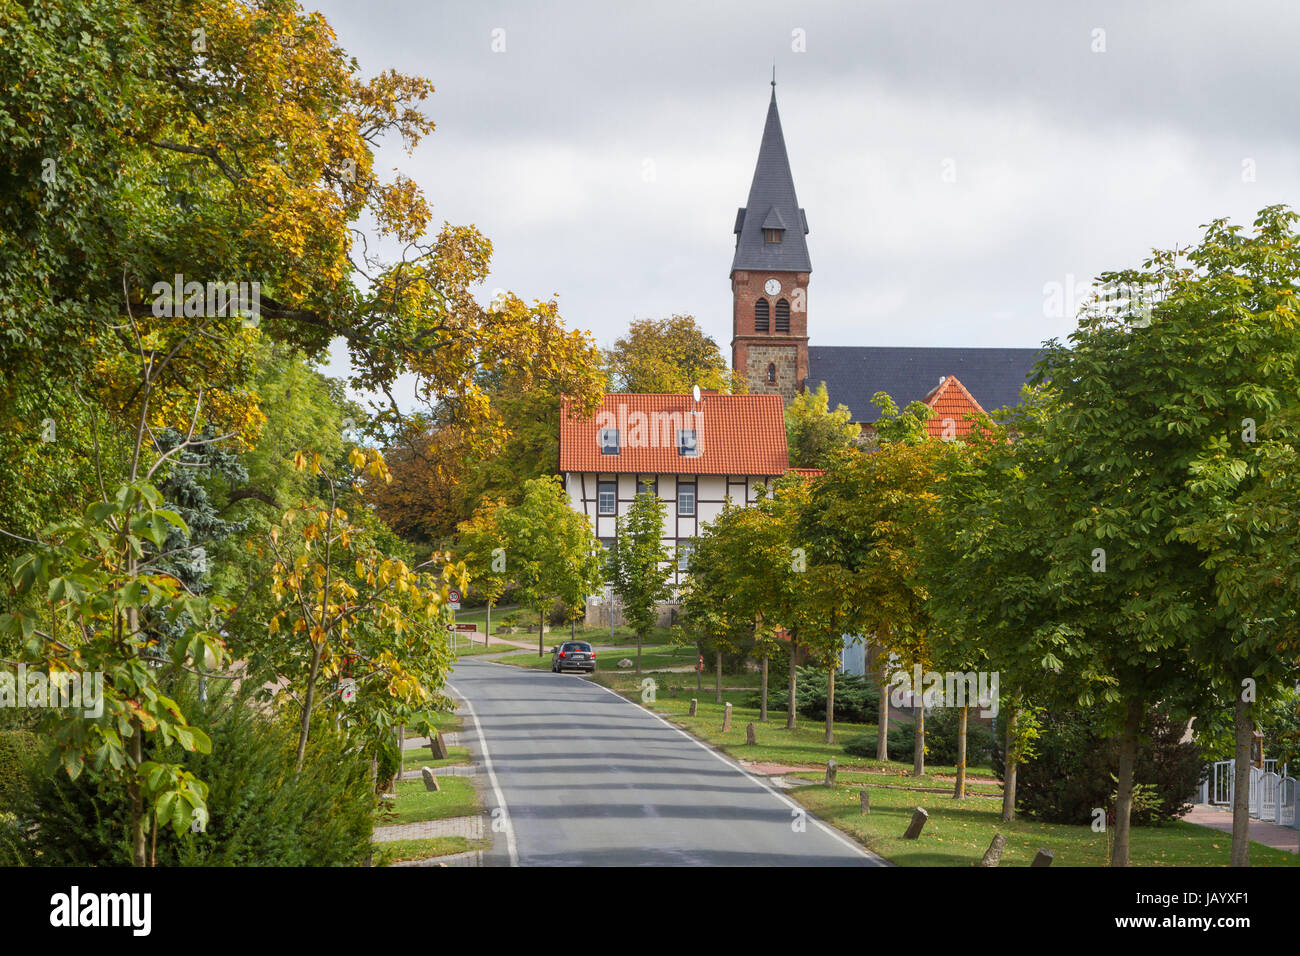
(782, 315)
(760, 315)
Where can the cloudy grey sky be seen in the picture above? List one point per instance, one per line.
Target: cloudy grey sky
(953, 157)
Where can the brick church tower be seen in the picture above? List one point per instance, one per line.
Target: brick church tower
(769, 274)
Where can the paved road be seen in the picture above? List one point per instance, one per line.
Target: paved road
(590, 779)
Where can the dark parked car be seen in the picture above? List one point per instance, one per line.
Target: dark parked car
(573, 656)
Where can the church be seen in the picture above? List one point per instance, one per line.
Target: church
(770, 347)
(697, 452)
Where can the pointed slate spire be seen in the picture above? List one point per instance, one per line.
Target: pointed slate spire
(772, 204)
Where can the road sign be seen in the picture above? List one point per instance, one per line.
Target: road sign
(453, 598)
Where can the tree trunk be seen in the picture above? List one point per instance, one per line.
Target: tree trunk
(541, 631)
(309, 701)
(699, 670)
(638, 652)
(487, 638)
(1243, 729)
(1009, 769)
(718, 675)
(959, 789)
(918, 745)
(136, 795)
(789, 710)
(1124, 790)
(882, 712)
(830, 706)
(762, 704)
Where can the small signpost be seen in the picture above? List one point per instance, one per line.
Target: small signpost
(453, 599)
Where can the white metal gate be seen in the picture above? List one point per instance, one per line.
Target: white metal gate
(1286, 795)
(1221, 784)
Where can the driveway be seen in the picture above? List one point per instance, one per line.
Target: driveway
(578, 776)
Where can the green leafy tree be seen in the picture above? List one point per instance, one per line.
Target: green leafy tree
(984, 568)
(639, 566)
(353, 614)
(718, 625)
(481, 544)
(863, 525)
(668, 356)
(814, 433)
(550, 552)
(96, 583)
(1186, 397)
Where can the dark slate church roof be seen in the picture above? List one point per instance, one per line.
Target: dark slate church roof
(853, 374)
(772, 205)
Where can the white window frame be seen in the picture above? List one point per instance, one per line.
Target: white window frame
(694, 492)
(600, 501)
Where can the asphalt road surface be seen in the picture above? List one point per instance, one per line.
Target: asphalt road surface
(578, 776)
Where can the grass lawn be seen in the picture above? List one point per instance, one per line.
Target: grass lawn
(958, 832)
(445, 720)
(478, 648)
(479, 616)
(416, 757)
(398, 851)
(978, 781)
(457, 798)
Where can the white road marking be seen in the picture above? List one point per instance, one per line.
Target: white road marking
(793, 805)
(512, 848)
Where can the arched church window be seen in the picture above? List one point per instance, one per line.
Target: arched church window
(782, 315)
(771, 373)
(760, 315)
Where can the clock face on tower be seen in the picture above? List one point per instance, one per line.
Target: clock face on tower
(771, 287)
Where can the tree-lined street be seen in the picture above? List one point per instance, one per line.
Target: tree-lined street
(590, 779)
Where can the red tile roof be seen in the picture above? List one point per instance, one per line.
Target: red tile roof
(738, 435)
(951, 401)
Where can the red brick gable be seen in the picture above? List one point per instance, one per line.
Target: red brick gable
(737, 435)
(954, 407)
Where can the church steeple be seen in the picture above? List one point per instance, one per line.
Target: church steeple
(769, 273)
(772, 208)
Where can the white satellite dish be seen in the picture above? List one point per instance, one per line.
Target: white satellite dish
(695, 392)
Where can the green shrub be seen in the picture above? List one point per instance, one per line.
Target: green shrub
(856, 699)
(900, 743)
(18, 748)
(263, 813)
(940, 740)
(388, 764)
(1071, 773)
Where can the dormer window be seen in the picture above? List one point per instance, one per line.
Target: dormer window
(688, 443)
(773, 226)
(609, 441)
